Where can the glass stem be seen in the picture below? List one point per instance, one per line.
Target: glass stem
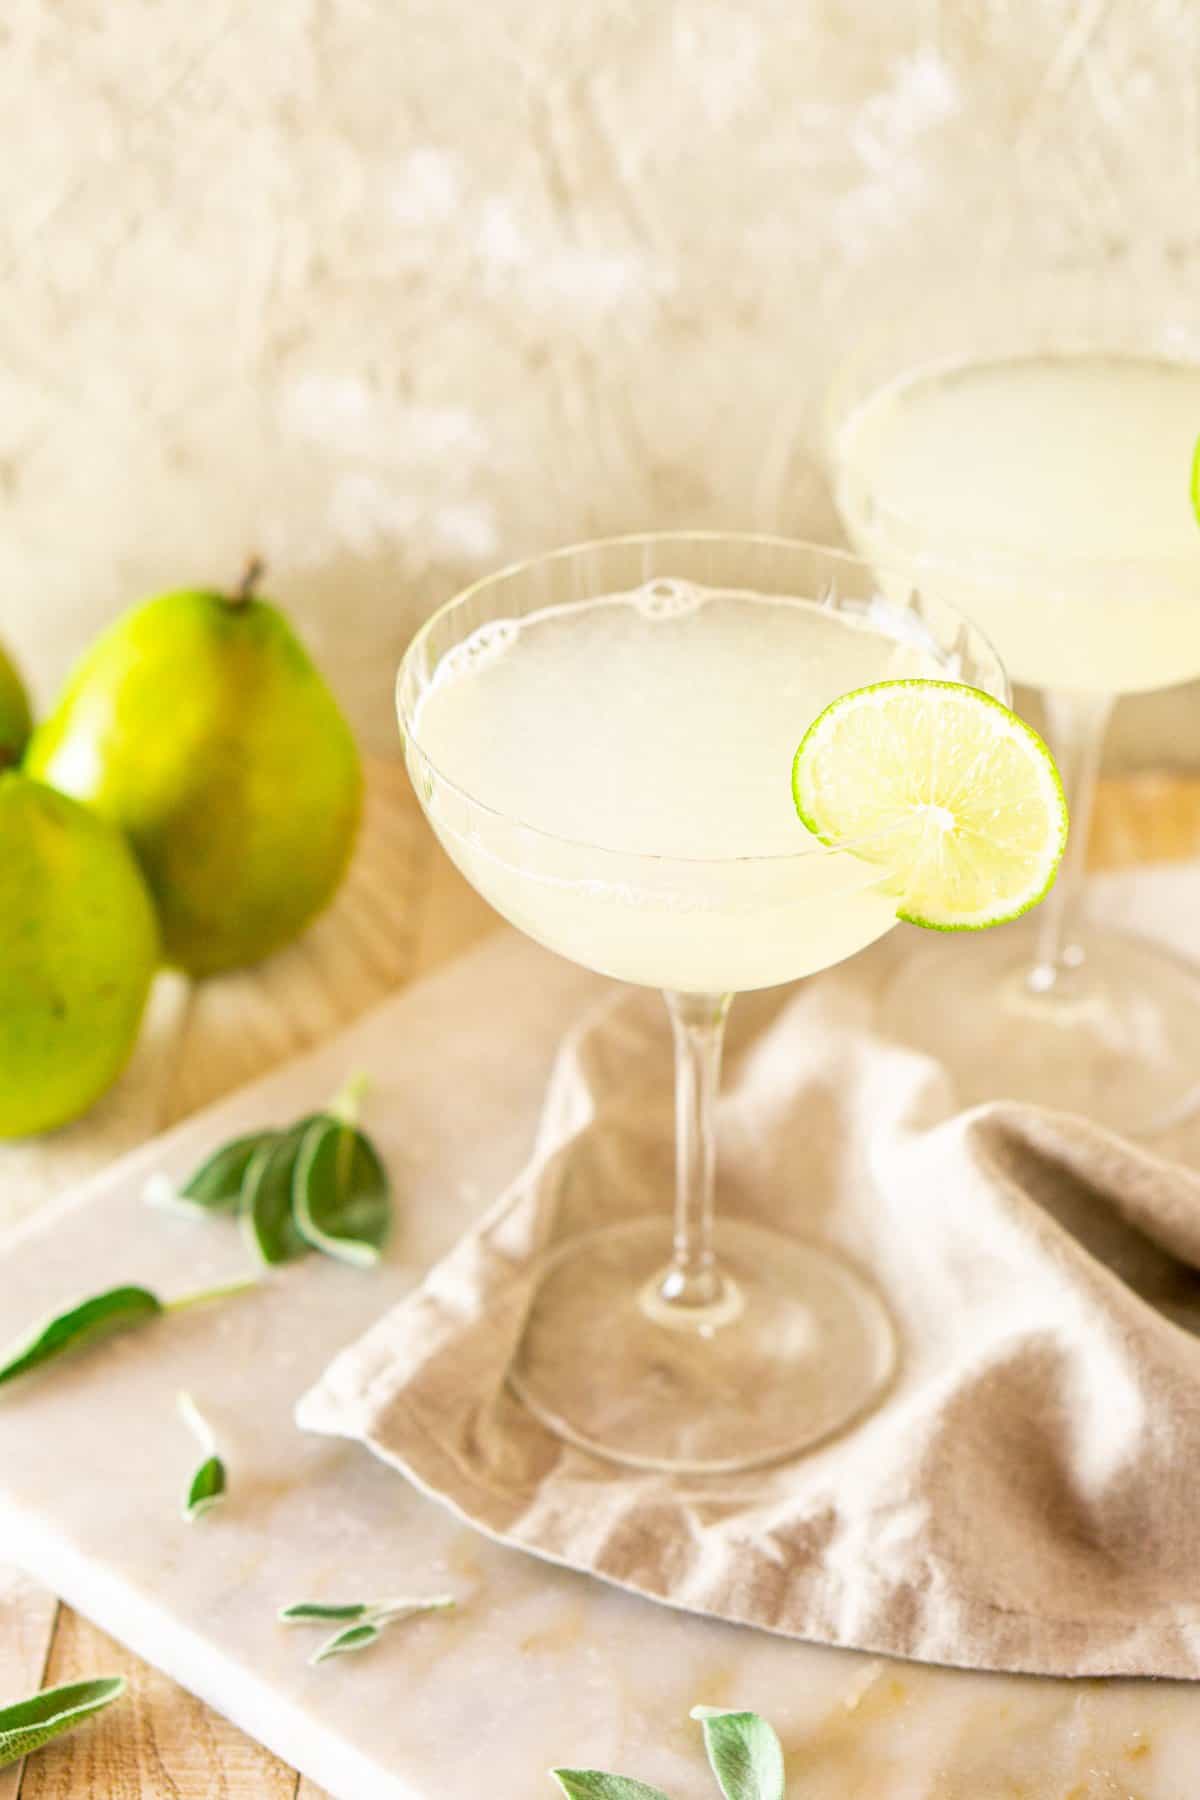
(692, 1282)
(1075, 727)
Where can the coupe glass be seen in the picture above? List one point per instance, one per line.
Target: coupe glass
(1093, 600)
(671, 1342)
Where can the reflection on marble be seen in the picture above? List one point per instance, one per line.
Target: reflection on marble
(539, 1665)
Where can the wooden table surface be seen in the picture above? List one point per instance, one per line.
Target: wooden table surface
(403, 911)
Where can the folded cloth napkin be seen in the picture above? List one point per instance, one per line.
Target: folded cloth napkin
(1026, 1498)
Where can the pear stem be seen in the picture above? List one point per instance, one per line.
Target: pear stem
(8, 758)
(252, 574)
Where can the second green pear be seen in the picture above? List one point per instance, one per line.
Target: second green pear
(199, 724)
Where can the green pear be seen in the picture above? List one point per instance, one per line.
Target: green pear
(15, 720)
(198, 724)
(80, 947)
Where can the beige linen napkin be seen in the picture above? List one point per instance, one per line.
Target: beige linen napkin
(1027, 1497)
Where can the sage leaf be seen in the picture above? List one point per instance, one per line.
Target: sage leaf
(29, 1724)
(217, 1185)
(365, 1620)
(209, 1483)
(592, 1784)
(267, 1191)
(379, 1612)
(355, 1637)
(208, 1488)
(341, 1196)
(310, 1612)
(118, 1309)
(745, 1754)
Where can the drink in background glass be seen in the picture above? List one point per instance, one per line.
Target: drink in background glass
(602, 740)
(1051, 460)
(1027, 455)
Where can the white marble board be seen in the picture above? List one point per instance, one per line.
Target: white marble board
(538, 1665)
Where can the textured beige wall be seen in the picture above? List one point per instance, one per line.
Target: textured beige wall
(394, 291)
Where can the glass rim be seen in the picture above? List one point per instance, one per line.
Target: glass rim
(664, 859)
(989, 560)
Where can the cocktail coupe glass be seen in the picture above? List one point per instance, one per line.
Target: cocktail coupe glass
(615, 779)
(1025, 451)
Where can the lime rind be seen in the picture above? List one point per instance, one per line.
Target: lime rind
(1196, 481)
(1044, 790)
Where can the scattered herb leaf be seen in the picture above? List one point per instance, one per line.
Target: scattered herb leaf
(745, 1754)
(341, 1197)
(319, 1184)
(310, 1612)
(355, 1637)
(364, 1620)
(591, 1784)
(117, 1309)
(267, 1191)
(217, 1185)
(29, 1724)
(207, 1490)
(209, 1483)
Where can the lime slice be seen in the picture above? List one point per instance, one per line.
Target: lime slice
(948, 790)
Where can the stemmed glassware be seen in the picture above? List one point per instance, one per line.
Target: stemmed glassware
(1024, 450)
(602, 739)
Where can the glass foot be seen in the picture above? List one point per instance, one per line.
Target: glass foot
(798, 1345)
(1116, 1038)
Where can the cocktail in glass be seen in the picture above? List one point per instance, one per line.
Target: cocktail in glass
(1027, 454)
(602, 740)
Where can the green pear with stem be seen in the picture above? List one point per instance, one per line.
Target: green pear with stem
(199, 725)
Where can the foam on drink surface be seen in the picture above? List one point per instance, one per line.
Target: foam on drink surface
(660, 722)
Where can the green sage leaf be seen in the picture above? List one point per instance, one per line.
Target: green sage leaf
(366, 1620)
(356, 1637)
(381, 1612)
(745, 1754)
(592, 1784)
(208, 1488)
(341, 1195)
(118, 1309)
(311, 1612)
(217, 1185)
(267, 1190)
(209, 1483)
(29, 1724)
